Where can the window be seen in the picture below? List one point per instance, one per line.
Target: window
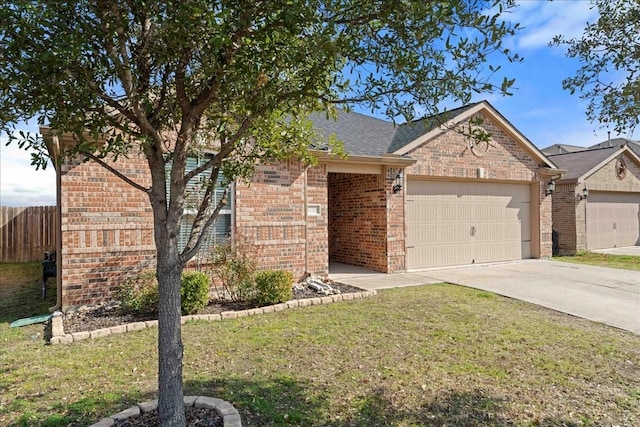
(221, 228)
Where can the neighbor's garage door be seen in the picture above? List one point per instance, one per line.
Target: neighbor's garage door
(456, 223)
(612, 219)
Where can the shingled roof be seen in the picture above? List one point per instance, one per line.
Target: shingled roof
(361, 135)
(562, 149)
(368, 136)
(577, 164)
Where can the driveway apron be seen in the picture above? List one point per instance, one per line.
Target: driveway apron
(607, 295)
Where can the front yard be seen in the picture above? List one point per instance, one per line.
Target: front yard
(421, 356)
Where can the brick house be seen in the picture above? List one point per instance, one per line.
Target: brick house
(596, 204)
(407, 197)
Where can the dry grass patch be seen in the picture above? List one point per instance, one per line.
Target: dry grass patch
(422, 356)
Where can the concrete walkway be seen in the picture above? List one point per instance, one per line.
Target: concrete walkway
(607, 295)
(627, 250)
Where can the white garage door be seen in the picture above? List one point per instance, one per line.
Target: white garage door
(613, 219)
(456, 223)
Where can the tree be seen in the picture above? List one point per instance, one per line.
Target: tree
(609, 54)
(237, 78)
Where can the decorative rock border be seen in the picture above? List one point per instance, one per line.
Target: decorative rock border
(58, 336)
(229, 414)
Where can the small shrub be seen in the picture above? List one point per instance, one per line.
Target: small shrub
(194, 291)
(139, 294)
(234, 266)
(273, 286)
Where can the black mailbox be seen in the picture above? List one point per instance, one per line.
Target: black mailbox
(48, 270)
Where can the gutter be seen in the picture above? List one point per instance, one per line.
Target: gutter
(387, 159)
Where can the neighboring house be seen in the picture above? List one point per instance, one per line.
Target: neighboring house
(596, 202)
(408, 197)
(617, 142)
(561, 149)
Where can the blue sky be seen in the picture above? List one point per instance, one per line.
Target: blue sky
(539, 107)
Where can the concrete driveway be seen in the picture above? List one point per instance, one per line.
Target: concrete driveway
(625, 250)
(607, 295)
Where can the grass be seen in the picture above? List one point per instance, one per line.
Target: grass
(626, 262)
(420, 356)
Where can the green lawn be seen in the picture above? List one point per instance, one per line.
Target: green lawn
(421, 356)
(626, 262)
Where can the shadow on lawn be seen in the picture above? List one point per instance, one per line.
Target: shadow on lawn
(285, 402)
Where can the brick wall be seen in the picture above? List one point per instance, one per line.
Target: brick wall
(366, 221)
(270, 214)
(569, 213)
(396, 229)
(605, 178)
(564, 217)
(448, 155)
(107, 225)
(106, 230)
(357, 220)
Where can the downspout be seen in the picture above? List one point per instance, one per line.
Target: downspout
(586, 235)
(57, 165)
(306, 223)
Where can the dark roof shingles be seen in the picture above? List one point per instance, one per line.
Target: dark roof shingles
(368, 136)
(580, 162)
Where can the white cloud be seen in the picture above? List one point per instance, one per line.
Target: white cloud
(20, 183)
(542, 20)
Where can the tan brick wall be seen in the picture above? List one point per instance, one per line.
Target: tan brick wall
(569, 212)
(545, 206)
(270, 213)
(449, 156)
(106, 230)
(605, 178)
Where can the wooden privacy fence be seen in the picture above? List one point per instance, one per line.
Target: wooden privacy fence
(27, 233)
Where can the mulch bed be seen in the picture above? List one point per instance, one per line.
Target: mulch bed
(196, 417)
(108, 315)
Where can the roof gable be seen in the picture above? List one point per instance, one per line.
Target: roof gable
(469, 111)
(581, 164)
(368, 136)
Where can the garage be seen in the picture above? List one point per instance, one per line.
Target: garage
(596, 204)
(458, 223)
(613, 219)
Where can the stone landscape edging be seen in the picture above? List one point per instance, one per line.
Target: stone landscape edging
(230, 415)
(58, 335)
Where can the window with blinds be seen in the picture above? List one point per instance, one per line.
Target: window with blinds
(220, 230)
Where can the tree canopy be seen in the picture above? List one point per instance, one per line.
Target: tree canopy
(234, 78)
(609, 73)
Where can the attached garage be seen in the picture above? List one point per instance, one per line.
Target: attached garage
(458, 223)
(613, 219)
(597, 202)
(439, 196)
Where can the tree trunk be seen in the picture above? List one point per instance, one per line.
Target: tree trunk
(170, 349)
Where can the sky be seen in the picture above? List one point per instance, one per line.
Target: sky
(539, 108)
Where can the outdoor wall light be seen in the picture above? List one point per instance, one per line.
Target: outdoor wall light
(551, 187)
(399, 181)
(585, 194)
